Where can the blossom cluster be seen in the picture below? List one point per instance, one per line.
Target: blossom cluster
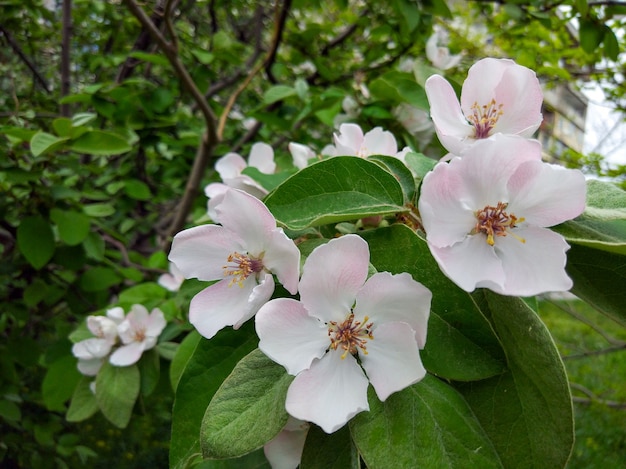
(120, 338)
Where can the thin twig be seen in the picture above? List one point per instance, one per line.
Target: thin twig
(592, 353)
(593, 398)
(16, 48)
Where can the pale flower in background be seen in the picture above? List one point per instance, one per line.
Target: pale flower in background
(92, 352)
(284, 451)
(242, 254)
(301, 154)
(486, 215)
(346, 330)
(498, 96)
(172, 280)
(231, 165)
(438, 53)
(350, 141)
(138, 332)
(415, 121)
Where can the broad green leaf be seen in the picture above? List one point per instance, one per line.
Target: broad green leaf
(35, 241)
(254, 460)
(100, 142)
(603, 223)
(83, 118)
(99, 210)
(59, 383)
(335, 451)
(399, 87)
(99, 278)
(278, 93)
(461, 344)
(211, 362)
(428, 424)
(149, 369)
(268, 181)
(400, 171)
(117, 389)
(247, 410)
(137, 189)
(155, 59)
(94, 246)
(142, 294)
(590, 34)
(183, 354)
(334, 190)
(611, 44)
(527, 412)
(62, 126)
(83, 404)
(73, 226)
(43, 142)
(10, 411)
(420, 164)
(599, 279)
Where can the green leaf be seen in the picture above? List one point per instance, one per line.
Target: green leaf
(461, 344)
(399, 87)
(10, 411)
(94, 246)
(73, 226)
(59, 383)
(591, 34)
(99, 210)
(35, 241)
(43, 142)
(155, 59)
(400, 171)
(99, 278)
(100, 142)
(83, 118)
(211, 362)
(183, 355)
(278, 93)
(268, 181)
(83, 404)
(117, 389)
(611, 44)
(599, 278)
(247, 410)
(136, 189)
(527, 412)
(254, 460)
(420, 164)
(428, 424)
(323, 451)
(603, 223)
(142, 294)
(149, 368)
(62, 126)
(334, 190)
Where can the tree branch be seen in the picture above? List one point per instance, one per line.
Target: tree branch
(31, 66)
(66, 44)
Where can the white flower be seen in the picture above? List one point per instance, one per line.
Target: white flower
(138, 332)
(343, 322)
(284, 451)
(242, 254)
(301, 154)
(438, 53)
(486, 216)
(350, 141)
(172, 280)
(92, 352)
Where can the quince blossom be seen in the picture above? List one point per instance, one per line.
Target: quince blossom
(350, 141)
(438, 53)
(343, 327)
(92, 352)
(230, 166)
(173, 280)
(241, 254)
(498, 96)
(284, 451)
(486, 216)
(138, 332)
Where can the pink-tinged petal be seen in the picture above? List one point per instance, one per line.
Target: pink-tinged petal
(446, 218)
(482, 79)
(91, 348)
(378, 142)
(332, 275)
(127, 355)
(221, 305)
(282, 257)
(393, 361)
(395, 298)
(230, 165)
(535, 266)
(214, 189)
(202, 251)
(450, 123)
(301, 154)
(103, 327)
(262, 158)
(246, 184)
(260, 295)
(116, 314)
(546, 194)
(349, 140)
(155, 323)
(169, 282)
(285, 450)
(247, 216)
(329, 393)
(470, 264)
(90, 367)
(289, 336)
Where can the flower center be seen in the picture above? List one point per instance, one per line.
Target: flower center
(494, 221)
(485, 117)
(241, 266)
(350, 335)
(140, 335)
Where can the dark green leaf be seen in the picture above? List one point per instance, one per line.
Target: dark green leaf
(334, 190)
(99, 210)
(278, 93)
(100, 142)
(400, 171)
(59, 382)
(247, 410)
(591, 34)
(99, 278)
(117, 388)
(399, 87)
(268, 181)
(43, 142)
(611, 44)
(149, 369)
(35, 241)
(137, 189)
(323, 451)
(73, 226)
(83, 404)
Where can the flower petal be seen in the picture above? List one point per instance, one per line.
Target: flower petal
(262, 158)
(332, 275)
(91, 348)
(282, 257)
(470, 264)
(230, 165)
(155, 323)
(329, 393)
(378, 142)
(90, 367)
(349, 140)
(260, 295)
(289, 336)
(246, 184)
(393, 361)
(127, 355)
(535, 266)
(546, 194)
(202, 251)
(301, 154)
(285, 450)
(395, 298)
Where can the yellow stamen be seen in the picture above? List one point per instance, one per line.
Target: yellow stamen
(350, 335)
(484, 118)
(495, 221)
